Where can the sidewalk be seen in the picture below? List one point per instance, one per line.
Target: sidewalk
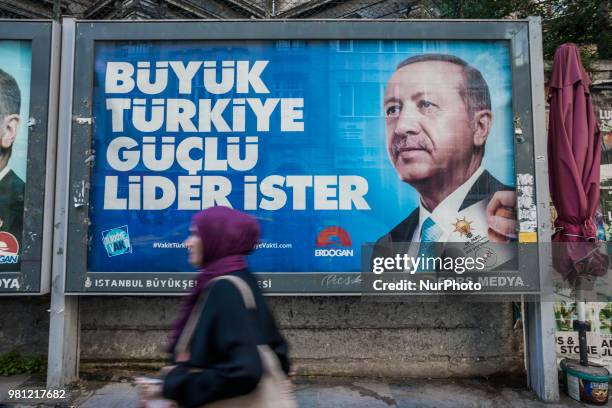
(322, 392)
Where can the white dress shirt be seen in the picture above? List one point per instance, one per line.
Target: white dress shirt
(4, 172)
(445, 214)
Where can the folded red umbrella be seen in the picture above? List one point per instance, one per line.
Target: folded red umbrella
(573, 162)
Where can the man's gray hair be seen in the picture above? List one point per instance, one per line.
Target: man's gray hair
(475, 92)
(10, 96)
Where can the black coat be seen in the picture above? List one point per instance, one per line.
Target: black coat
(224, 345)
(485, 186)
(11, 211)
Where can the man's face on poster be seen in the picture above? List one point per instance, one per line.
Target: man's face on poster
(9, 126)
(428, 127)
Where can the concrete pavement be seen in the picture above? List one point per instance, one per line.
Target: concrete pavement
(321, 392)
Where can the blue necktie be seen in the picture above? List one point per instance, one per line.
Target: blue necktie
(430, 234)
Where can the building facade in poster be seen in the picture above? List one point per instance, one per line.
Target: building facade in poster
(15, 67)
(306, 136)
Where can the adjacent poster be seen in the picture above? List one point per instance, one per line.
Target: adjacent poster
(599, 337)
(15, 74)
(598, 314)
(602, 103)
(331, 145)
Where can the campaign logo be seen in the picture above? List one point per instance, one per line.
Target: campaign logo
(117, 241)
(463, 227)
(334, 239)
(9, 248)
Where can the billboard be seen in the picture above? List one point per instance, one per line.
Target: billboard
(25, 65)
(337, 146)
(15, 73)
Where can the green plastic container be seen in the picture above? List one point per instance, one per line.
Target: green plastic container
(585, 384)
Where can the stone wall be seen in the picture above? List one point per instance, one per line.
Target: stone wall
(328, 335)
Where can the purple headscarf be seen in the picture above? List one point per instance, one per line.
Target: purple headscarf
(227, 237)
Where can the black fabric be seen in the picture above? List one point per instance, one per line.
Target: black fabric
(224, 346)
(11, 210)
(485, 186)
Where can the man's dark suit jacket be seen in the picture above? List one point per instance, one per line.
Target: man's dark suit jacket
(485, 186)
(11, 204)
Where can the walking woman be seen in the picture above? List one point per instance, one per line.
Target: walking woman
(226, 346)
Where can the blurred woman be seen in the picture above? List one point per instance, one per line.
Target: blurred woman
(226, 346)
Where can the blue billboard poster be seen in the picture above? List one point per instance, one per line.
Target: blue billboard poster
(338, 147)
(15, 74)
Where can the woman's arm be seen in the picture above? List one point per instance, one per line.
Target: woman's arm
(239, 369)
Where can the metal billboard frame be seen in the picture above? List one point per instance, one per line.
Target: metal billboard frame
(36, 244)
(71, 234)
(516, 32)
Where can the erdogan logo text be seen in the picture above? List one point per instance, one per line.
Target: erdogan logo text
(334, 241)
(9, 248)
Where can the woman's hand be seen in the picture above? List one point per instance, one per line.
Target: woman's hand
(289, 382)
(183, 357)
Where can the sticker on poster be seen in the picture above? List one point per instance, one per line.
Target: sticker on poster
(117, 241)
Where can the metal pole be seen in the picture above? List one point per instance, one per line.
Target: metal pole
(63, 360)
(540, 321)
(581, 324)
